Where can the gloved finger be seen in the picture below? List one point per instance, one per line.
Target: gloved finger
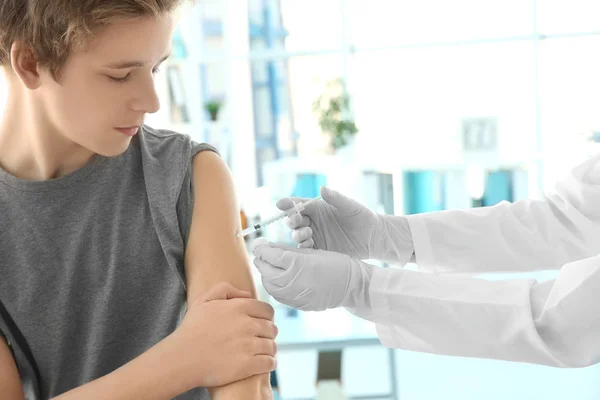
(344, 204)
(288, 202)
(302, 298)
(277, 292)
(307, 244)
(296, 221)
(285, 296)
(260, 242)
(305, 300)
(299, 250)
(279, 277)
(269, 286)
(283, 258)
(302, 234)
(267, 271)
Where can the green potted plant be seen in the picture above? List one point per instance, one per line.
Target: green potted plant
(335, 117)
(213, 107)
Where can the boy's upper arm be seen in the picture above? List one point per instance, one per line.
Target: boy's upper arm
(215, 254)
(10, 382)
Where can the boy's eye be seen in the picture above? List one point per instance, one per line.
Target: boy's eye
(126, 77)
(119, 79)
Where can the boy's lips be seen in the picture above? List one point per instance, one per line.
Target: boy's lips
(129, 131)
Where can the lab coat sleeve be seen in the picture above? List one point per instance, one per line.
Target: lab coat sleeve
(515, 237)
(553, 323)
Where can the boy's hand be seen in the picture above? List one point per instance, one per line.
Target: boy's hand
(226, 336)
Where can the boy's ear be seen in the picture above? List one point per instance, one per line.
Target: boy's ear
(25, 65)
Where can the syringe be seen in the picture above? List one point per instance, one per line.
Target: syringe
(298, 207)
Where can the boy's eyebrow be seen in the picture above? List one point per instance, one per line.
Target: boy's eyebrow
(131, 64)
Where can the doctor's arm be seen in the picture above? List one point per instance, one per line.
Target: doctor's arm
(214, 254)
(553, 323)
(522, 236)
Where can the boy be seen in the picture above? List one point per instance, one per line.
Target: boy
(110, 228)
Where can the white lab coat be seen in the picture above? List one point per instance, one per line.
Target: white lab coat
(553, 323)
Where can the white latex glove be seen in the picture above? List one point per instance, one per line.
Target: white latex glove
(312, 280)
(341, 224)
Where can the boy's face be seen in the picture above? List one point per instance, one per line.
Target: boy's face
(108, 86)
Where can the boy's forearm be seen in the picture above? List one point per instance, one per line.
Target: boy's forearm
(257, 387)
(154, 375)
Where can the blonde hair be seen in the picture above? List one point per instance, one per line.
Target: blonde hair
(52, 29)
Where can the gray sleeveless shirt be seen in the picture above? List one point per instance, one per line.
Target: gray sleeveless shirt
(91, 264)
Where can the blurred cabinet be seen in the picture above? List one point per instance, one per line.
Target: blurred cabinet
(400, 191)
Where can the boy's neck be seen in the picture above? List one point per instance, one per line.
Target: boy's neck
(31, 149)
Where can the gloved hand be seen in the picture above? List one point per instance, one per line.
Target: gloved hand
(343, 225)
(312, 280)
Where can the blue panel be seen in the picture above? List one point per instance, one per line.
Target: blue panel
(256, 30)
(212, 28)
(309, 185)
(498, 187)
(265, 143)
(179, 49)
(423, 192)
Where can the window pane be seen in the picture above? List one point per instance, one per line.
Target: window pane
(284, 22)
(266, 155)
(285, 127)
(260, 71)
(312, 24)
(215, 79)
(307, 78)
(570, 84)
(262, 106)
(559, 16)
(384, 22)
(409, 104)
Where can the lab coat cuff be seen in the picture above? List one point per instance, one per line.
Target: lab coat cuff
(422, 243)
(378, 292)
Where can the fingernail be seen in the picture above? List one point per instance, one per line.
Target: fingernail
(259, 242)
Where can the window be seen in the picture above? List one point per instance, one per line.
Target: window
(409, 103)
(312, 25)
(380, 23)
(308, 77)
(568, 17)
(570, 105)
